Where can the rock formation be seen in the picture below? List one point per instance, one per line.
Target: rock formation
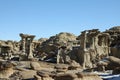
(61, 57)
(26, 45)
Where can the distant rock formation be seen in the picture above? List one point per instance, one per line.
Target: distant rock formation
(70, 55)
(86, 49)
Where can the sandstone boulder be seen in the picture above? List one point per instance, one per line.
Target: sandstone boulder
(35, 65)
(65, 77)
(114, 60)
(45, 75)
(87, 76)
(74, 65)
(61, 68)
(37, 77)
(6, 69)
(29, 74)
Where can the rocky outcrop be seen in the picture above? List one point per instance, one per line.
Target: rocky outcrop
(54, 42)
(6, 69)
(91, 50)
(46, 75)
(114, 41)
(93, 45)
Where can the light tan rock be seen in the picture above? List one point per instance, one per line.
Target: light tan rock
(45, 75)
(29, 74)
(37, 77)
(6, 69)
(61, 68)
(74, 65)
(35, 65)
(65, 76)
(88, 76)
(114, 60)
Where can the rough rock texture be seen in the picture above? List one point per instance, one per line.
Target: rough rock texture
(35, 65)
(74, 65)
(61, 68)
(114, 60)
(78, 76)
(54, 42)
(116, 70)
(6, 69)
(114, 41)
(80, 53)
(28, 74)
(93, 45)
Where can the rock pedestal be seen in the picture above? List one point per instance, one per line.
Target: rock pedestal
(27, 45)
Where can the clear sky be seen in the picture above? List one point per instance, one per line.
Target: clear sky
(45, 18)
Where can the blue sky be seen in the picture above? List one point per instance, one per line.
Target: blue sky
(45, 18)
